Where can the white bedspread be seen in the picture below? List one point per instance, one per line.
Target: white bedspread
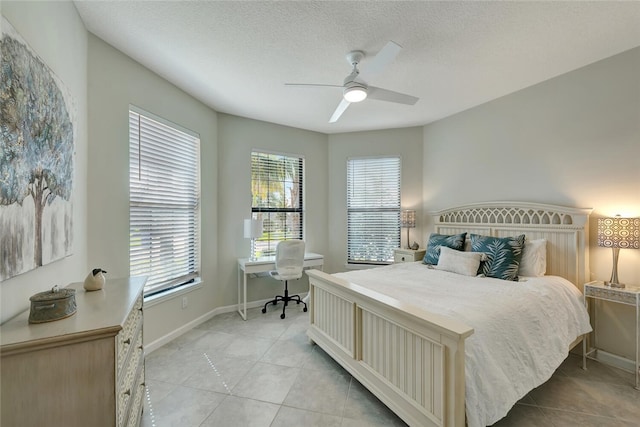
(522, 329)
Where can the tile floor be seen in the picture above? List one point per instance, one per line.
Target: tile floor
(264, 372)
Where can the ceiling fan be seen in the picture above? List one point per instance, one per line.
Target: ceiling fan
(355, 89)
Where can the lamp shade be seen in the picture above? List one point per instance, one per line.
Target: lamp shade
(408, 218)
(252, 228)
(618, 232)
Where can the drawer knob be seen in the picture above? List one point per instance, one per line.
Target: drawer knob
(403, 258)
(127, 393)
(127, 341)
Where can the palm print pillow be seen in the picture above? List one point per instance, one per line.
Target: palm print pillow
(455, 241)
(503, 255)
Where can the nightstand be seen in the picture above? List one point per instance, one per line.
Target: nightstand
(630, 295)
(408, 255)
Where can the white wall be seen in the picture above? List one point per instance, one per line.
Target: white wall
(237, 136)
(115, 81)
(57, 35)
(573, 140)
(405, 142)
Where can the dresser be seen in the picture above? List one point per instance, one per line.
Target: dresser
(85, 370)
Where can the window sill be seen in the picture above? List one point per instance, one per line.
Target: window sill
(363, 266)
(169, 294)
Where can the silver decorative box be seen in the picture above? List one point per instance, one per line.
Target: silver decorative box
(52, 305)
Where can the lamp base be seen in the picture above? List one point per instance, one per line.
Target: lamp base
(613, 282)
(614, 285)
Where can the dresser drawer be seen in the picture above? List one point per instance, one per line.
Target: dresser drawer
(128, 334)
(132, 370)
(407, 255)
(136, 406)
(401, 258)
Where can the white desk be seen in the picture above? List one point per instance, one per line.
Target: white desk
(263, 265)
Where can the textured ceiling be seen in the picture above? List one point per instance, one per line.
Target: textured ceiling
(236, 56)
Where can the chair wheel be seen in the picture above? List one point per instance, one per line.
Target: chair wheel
(264, 310)
(304, 309)
(282, 316)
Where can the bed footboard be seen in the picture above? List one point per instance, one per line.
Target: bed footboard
(412, 360)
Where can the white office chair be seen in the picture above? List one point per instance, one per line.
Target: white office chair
(289, 266)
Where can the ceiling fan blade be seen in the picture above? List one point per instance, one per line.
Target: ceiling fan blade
(391, 96)
(311, 85)
(381, 60)
(341, 107)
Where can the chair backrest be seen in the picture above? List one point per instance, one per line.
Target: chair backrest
(290, 259)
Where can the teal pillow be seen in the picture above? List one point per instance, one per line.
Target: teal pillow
(503, 255)
(455, 241)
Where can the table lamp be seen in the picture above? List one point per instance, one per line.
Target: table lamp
(618, 233)
(253, 231)
(408, 220)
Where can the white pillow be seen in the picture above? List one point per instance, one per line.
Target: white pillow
(460, 262)
(534, 258)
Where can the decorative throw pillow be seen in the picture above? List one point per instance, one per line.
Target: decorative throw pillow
(460, 262)
(534, 258)
(503, 255)
(455, 241)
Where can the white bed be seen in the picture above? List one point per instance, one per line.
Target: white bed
(411, 341)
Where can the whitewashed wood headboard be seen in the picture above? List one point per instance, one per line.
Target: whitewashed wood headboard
(566, 230)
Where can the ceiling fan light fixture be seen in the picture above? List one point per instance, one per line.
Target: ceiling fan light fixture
(355, 94)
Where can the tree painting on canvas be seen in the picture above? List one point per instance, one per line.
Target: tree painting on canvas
(36, 160)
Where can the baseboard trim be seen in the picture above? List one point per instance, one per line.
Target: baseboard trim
(152, 346)
(614, 360)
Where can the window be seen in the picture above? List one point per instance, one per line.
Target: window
(373, 209)
(164, 200)
(277, 198)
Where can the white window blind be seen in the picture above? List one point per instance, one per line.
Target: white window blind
(164, 196)
(277, 198)
(373, 209)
